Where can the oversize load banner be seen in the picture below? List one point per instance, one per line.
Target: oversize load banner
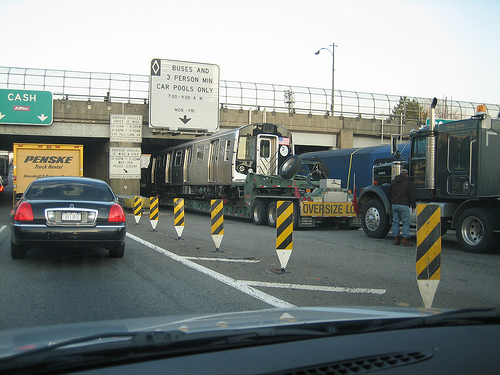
(327, 209)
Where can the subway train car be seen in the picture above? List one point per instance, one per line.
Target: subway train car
(217, 165)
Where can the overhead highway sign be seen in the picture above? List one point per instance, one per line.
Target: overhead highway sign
(26, 107)
(184, 96)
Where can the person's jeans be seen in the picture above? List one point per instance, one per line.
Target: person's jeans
(401, 213)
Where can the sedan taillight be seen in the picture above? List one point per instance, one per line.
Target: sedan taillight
(24, 212)
(116, 214)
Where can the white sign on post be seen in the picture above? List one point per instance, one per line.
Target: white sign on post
(184, 96)
(125, 162)
(125, 128)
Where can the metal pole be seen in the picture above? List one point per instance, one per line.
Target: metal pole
(333, 76)
(332, 51)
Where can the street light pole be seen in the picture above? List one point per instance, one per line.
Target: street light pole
(332, 51)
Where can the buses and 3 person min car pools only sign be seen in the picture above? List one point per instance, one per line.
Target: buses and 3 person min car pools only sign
(184, 96)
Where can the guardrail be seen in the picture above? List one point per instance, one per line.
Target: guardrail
(134, 88)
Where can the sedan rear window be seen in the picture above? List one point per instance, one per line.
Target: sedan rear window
(69, 191)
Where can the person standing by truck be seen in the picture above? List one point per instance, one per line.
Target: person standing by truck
(402, 197)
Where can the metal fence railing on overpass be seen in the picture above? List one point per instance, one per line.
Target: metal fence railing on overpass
(134, 88)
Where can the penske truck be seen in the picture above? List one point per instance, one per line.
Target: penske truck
(250, 168)
(32, 161)
(453, 165)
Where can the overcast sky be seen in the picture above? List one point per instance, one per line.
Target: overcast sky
(424, 48)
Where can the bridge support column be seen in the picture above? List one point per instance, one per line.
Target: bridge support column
(345, 138)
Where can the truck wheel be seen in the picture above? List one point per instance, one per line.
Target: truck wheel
(259, 212)
(271, 214)
(17, 251)
(374, 220)
(290, 166)
(474, 230)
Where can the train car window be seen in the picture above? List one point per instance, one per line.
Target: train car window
(247, 148)
(200, 153)
(153, 170)
(227, 152)
(215, 150)
(187, 162)
(178, 158)
(167, 167)
(265, 148)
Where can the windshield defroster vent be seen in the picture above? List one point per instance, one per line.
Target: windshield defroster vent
(363, 365)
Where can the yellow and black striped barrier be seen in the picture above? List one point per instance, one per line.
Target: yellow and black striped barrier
(428, 259)
(179, 215)
(137, 209)
(217, 221)
(284, 231)
(153, 211)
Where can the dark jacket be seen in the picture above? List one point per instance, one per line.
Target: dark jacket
(402, 191)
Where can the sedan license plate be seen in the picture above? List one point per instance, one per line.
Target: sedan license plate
(71, 216)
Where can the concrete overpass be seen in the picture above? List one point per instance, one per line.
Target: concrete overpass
(81, 115)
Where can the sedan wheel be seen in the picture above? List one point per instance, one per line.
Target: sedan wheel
(117, 251)
(17, 251)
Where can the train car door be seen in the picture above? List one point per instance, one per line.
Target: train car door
(187, 164)
(213, 161)
(267, 154)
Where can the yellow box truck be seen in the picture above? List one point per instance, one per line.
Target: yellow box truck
(32, 161)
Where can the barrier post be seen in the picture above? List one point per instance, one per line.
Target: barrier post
(428, 258)
(179, 216)
(284, 232)
(217, 221)
(137, 209)
(153, 212)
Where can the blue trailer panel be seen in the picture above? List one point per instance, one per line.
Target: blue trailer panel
(346, 163)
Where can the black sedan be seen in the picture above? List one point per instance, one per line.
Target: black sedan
(68, 212)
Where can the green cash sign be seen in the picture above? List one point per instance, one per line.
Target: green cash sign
(26, 107)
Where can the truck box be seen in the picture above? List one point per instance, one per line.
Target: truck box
(32, 161)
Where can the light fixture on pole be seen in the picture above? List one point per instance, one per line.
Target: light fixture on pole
(332, 51)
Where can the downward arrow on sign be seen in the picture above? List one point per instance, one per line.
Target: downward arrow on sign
(185, 120)
(1, 116)
(43, 117)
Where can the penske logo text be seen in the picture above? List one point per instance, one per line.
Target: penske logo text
(48, 159)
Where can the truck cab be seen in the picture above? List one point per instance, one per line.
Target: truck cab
(451, 165)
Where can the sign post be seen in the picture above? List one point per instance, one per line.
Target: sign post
(26, 107)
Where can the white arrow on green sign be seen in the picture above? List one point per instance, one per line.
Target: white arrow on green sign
(26, 107)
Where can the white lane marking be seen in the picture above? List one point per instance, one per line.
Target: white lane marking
(223, 260)
(242, 287)
(2, 228)
(337, 289)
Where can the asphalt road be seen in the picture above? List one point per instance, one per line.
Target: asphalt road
(161, 274)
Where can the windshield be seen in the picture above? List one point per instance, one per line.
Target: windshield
(64, 191)
(199, 143)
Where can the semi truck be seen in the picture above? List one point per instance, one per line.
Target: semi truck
(250, 168)
(32, 161)
(453, 165)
